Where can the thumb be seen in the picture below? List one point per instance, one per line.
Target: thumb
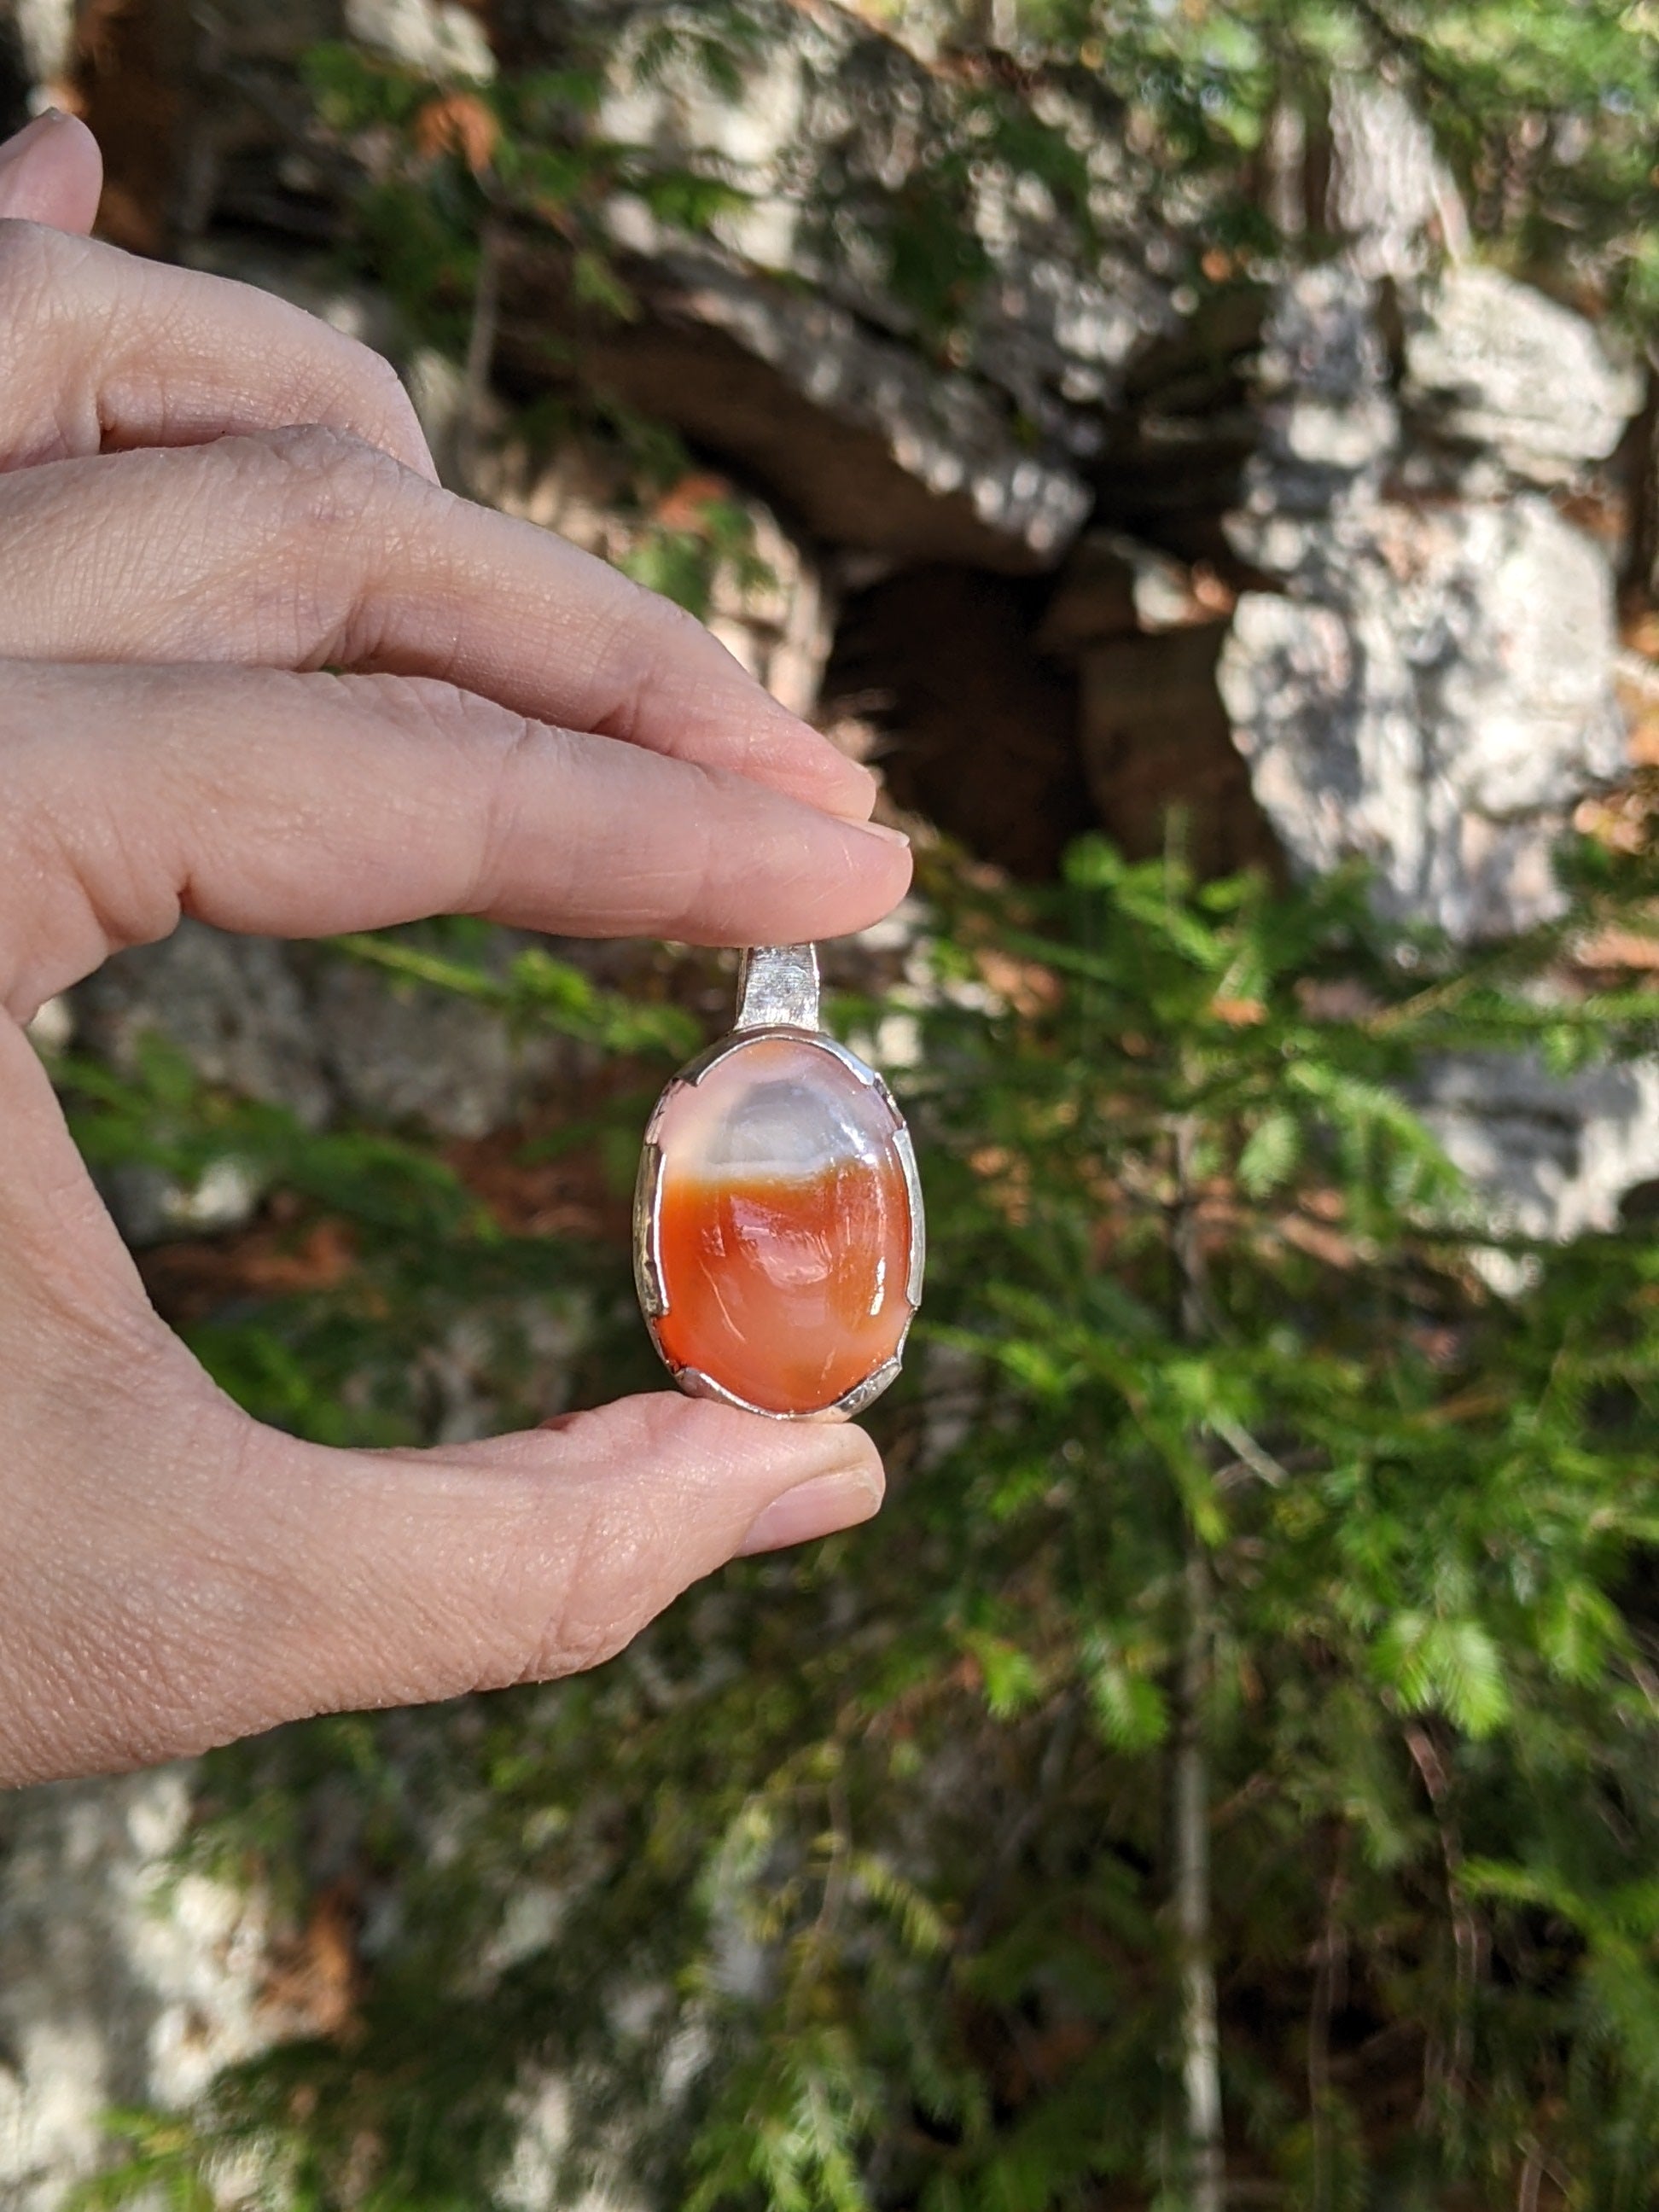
(525, 1557)
(173, 1575)
(51, 173)
(231, 1578)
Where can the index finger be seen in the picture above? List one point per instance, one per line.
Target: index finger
(51, 172)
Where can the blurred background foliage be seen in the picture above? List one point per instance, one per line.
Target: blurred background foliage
(855, 1882)
(1229, 1770)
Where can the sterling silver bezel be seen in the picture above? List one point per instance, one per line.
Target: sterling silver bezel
(648, 1219)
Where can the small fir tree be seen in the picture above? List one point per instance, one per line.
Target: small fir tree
(1229, 1762)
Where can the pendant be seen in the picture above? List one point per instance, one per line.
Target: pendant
(778, 1233)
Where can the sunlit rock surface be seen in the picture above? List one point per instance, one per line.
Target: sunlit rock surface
(1431, 691)
(1391, 196)
(834, 389)
(1493, 367)
(435, 35)
(123, 1981)
(1443, 718)
(1556, 1156)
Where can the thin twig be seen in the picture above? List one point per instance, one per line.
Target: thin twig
(1532, 2176)
(1468, 1935)
(1252, 1457)
(1328, 1953)
(1200, 2068)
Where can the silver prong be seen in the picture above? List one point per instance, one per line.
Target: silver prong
(696, 1384)
(865, 1392)
(907, 1153)
(647, 1219)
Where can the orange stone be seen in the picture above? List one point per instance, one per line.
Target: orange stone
(782, 1239)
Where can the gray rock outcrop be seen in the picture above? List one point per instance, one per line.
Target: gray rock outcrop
(122, 1980)
(837, 116)
(1554, 1156)
(871, 447)
(1520, 387)
(1390, 190)
(956, 428)
(1442, 719)
(309, 1032)
(436, 36)
(1432, 689)
(840, 394)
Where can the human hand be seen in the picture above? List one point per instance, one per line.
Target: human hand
(523, 734)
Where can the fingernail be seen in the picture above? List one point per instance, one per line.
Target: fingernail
(817, 1508)
(888, 835)
(864, 789)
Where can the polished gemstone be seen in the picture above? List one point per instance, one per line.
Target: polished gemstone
(782, 1231)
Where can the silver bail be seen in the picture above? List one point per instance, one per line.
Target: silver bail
(778, 987)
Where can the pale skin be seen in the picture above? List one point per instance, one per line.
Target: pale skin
(207, 498)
